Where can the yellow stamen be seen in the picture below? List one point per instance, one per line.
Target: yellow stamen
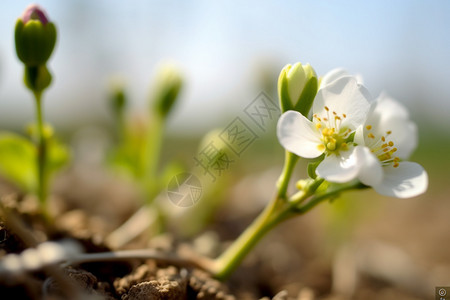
(369, 127)
(370, 135)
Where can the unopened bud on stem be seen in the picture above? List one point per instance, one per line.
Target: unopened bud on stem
(297, 87)
(167, 88)
(35, 37)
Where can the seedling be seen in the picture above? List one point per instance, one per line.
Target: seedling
(29, 165)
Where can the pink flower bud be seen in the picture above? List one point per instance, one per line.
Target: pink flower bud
(34, 12)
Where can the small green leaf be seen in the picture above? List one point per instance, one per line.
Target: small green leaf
(18, 160)
(58, 155)
(37, 78)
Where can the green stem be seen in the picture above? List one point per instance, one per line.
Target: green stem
(334, 192)
(273, 214)
(155, 138)
(121, 128)
(41, 154)
(277, 211)
(290, 160)
(151, 156)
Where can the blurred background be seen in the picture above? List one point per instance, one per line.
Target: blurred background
(228, 53)
(226, 50)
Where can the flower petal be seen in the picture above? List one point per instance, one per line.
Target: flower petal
(387, 115)
(344, 96)
(404, 135)
(332, 76)
(359, 136)
(370, 169)
(336, 74)
(409, 179)
(298, 135)
(388, 107)
(339, 168)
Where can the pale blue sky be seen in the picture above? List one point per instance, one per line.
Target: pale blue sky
(402, 47)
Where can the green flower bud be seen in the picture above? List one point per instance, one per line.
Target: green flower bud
(168, 85)
(297, 87)
(117, 95)
(35, 37)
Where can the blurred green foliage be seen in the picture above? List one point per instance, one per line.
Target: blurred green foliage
(18, 159)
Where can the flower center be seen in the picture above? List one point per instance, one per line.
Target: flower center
(334, 136)
(382, 148)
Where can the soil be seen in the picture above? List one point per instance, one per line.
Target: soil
(288, 264)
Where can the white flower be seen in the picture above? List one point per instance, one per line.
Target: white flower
(340, 107)
(337, 73)
(386, 138)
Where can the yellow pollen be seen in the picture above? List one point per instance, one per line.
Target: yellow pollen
(318, 125)
(326, 108)
(370, 135)
(385, 149)
(384, 145)
(383, 139)
(344, 146)
(337, 118)
(394, 150)
(369, 127)
(389, 132)
(396, 164)
(325, 119)
(344, 115)
(334, 113)
(391, 143)
(321, 147)
(396, 159)
(327, 131)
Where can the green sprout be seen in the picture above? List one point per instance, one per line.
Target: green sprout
(138, 149)
(137, 152)
(35, 38)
